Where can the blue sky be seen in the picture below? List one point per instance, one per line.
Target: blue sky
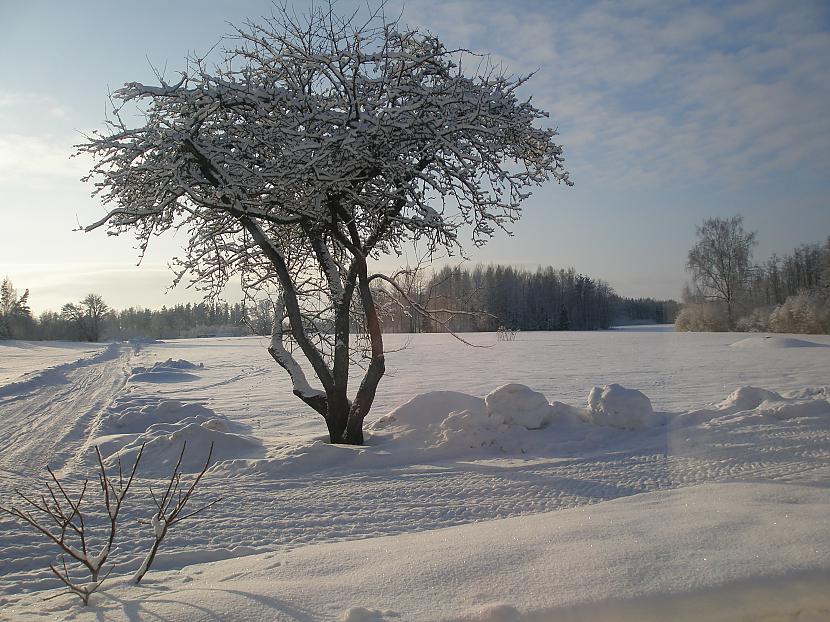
(669, 112)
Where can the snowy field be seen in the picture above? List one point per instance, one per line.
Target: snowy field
(705, 495)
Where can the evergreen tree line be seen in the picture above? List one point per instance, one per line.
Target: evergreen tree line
(789, 294)
(488, 297)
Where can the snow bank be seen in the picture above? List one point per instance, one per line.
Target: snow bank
(23, 358)
(774, 342)
(764, 403)
(167, 371)
(517, 421)
(56, 375)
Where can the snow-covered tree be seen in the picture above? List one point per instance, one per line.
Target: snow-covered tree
(720, 261)
(318, 144)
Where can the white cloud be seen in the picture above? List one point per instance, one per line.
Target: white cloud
(668, 91)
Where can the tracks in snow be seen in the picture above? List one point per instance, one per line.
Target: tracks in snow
(45, 419)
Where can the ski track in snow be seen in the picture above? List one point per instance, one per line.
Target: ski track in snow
(45, 417)
(50, 420)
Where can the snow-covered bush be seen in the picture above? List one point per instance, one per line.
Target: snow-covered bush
(803, 313)
(757, 321)
(702, 317)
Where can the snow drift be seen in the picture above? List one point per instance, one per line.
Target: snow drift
(163, 426)
(775, 342)
(517, 421)
(166, 371)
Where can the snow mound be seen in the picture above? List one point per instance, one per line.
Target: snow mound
(167, 371)
(438, 426)
(163, 427)
(516, 404)
(445, 423)
(163, 443)
(494, 612)
(614, 405)
(427, 409)
(136, 418)
(775, 342)
(747, 398)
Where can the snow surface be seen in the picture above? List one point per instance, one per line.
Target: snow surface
(496, 484)
(776, 341)
(19, 359)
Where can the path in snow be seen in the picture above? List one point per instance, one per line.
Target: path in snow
(45, 417)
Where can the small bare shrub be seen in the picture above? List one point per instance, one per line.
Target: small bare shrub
(64, 523)
(170, 507)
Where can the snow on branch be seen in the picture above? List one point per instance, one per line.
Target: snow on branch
(286, 360)
(383, 118)
(170, 508)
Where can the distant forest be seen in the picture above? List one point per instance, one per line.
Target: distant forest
(488, 297)
(484, 298)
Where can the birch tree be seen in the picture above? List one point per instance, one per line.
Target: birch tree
(720, 261)
(318, 144)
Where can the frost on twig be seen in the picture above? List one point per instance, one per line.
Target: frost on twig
(58, 515)
(170, 509)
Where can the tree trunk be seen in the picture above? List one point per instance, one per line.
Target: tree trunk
(337, 418)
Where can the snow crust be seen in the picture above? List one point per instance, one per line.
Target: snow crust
(735, 551)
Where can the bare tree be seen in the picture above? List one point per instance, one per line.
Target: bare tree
(721, 261)
(170, 509)
(65, 523)
(86, 316)
(95, 309)
(318, 144)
